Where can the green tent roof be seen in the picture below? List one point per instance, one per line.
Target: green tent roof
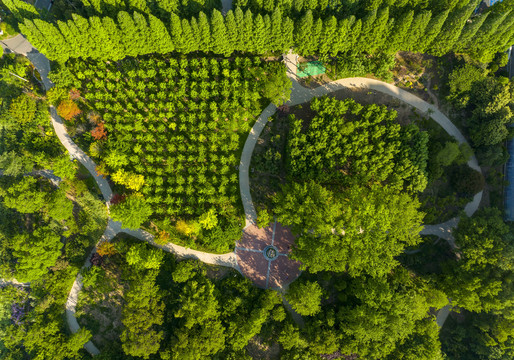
(310, 69)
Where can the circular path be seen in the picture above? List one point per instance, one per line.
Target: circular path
(253, 265)
(249, 257)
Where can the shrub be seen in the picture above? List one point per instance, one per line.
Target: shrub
(99, 132)
(68, 109)
(106, 249)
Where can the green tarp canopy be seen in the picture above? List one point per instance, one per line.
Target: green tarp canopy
(310, 69)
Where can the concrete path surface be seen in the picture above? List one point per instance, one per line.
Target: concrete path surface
(246, 159)
(300, 95)
(21, 46)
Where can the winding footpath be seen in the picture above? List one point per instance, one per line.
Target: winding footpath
(21, 46)
(299, 95)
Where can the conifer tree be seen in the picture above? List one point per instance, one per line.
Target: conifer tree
(118, 47)
(205, 32)
(469, 31)
(304, 34)
(240, 34)
(268, 5)
(452, 29)
(287, 33)
(259, 36)
(344, 36)
(401, 27)
(56, 44)
(169, 6)
(21, 10)
(276, 30)
(350, 43)
(316, 34)
(366, 34)
(37, 39)
(380, 30)
(417, 30)
(138, 6)
(176, 33)
(87, 41)
(130, 34)
(192, 35)
(267, 29)
(219, 39)
(328, 36)
(232, 29)
(298, 6)
(70, 38)
(505, 37)
(432, 30)
(146, 37)
(108, 50)
(248, 30)
(160, 35)
(481, 48)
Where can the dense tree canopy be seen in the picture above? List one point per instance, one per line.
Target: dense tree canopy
(436, 30)
(332, 237)
(479, 282)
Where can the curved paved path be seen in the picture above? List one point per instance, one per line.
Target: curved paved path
(300, 95)
(21, 46)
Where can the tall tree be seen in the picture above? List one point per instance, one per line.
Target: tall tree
(162, 38)
(452, 29)
(205, 32)
(146, 38)
(431, 31)
(477, 282)
(467, 36)
(130, 33)
(399, 33)
(260, 38)
(116, 37)
(417, 30)
(176, 33)
(326, 224)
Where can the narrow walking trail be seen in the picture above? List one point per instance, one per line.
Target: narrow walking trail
(21, 46)
(300, 95)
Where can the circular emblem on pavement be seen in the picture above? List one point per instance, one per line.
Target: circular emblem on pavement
(270, 252)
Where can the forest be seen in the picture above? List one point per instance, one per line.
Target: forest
(190, 117)
(164, 97)
(371, 29)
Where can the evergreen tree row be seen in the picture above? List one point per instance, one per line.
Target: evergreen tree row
(131, 35)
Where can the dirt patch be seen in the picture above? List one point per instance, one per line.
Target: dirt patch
(415, 73)
(257, 349)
